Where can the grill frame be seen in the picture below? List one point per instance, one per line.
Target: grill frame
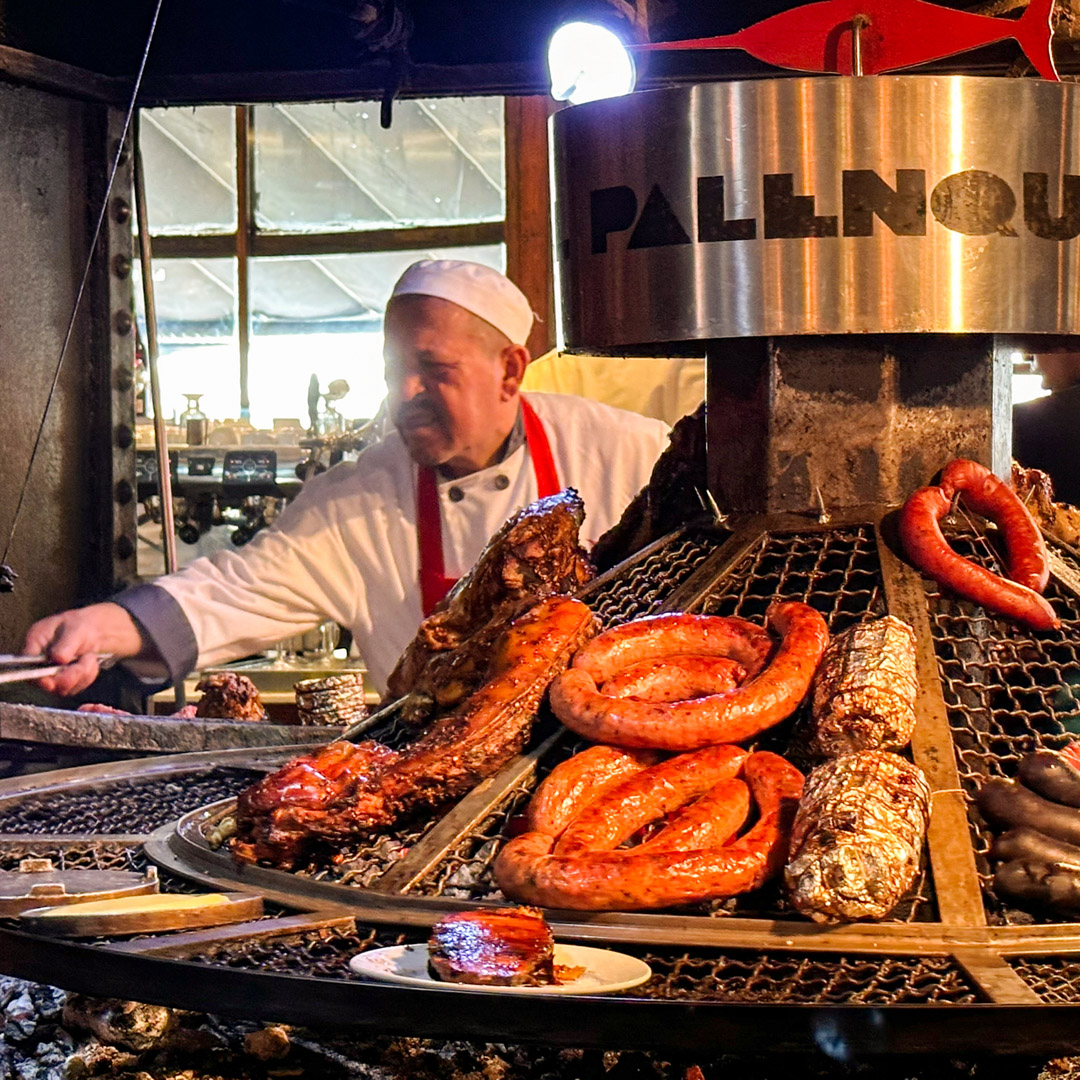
(955, 943)
(623, 1022)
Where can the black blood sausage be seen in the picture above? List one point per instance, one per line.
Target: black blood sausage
(1009, 803)
(1051, 776)
(1033, 846)
(1055, 886)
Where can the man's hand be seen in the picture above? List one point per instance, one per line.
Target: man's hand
(74, 637)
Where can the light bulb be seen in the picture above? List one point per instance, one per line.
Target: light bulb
(587, 62)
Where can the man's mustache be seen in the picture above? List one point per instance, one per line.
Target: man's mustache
(412, 414)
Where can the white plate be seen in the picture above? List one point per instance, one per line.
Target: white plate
(605, 971)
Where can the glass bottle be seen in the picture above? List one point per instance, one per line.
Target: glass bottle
(193, 421)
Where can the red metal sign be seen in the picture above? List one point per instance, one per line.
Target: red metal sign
(894, 34)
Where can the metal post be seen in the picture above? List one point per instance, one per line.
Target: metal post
(161, 446)
(245, 229)
(858, 23)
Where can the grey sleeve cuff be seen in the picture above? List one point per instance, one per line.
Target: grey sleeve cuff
(166, 627)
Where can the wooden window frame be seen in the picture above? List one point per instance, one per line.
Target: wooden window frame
(526, 229)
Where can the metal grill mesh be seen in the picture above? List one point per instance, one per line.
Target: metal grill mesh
(803, 979)
(82, 856)
(361, 862)
(837, 572)
(1008, 691)
(1053, 978)
(124, 806)
(321, 952)
(646, 584)
(466, 872)
(744, 976)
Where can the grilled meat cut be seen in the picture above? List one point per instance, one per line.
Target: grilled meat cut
(266, 811)
(865, 689)
(858, 836)
(371, 787)
(228, 695)
(533, 556)
(504, 947)
(668, 500)
(1036, 491)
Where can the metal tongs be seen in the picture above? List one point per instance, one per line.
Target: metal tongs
(14, 668)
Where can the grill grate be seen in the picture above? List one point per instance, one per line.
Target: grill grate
(1007, 691)
(742, 976)
(125, 806)
(361, 862)
(466, 872)
(82, 856)
(837, 572)
(323, 952)
(790, 978)
(646, 584)
(1054, 978)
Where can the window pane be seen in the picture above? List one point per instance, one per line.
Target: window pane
(189, 159)
(324, 316)
(195, 300)
(328, 167)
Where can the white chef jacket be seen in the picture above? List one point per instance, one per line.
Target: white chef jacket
(346, 549)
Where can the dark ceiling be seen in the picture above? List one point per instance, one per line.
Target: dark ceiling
(221, 35)
(237, 50)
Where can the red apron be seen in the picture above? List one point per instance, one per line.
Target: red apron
(434, 584)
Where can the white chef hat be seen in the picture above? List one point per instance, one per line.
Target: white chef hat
(475, 287)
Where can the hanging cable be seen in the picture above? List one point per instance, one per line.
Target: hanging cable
(6, 573)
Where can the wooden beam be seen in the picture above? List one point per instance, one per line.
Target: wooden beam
(956, 879)
(40, 72)
(245, 230)
(528, 213)
(366, 81)
(262, 244)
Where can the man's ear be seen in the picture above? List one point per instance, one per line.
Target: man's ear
(515, 359)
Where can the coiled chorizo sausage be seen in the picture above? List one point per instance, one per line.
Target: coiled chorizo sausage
(765, 699)
(636, 879)
(676, 679)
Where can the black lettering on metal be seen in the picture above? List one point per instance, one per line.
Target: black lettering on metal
(1037, 207)
(610, 210)
(787, 215)
(658, 226)
(711, 223)
(975, 203)
(903, 210)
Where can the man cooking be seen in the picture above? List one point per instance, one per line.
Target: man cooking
(374, 544)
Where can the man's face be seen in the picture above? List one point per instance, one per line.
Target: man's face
(445, 380)
(1059, 370)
